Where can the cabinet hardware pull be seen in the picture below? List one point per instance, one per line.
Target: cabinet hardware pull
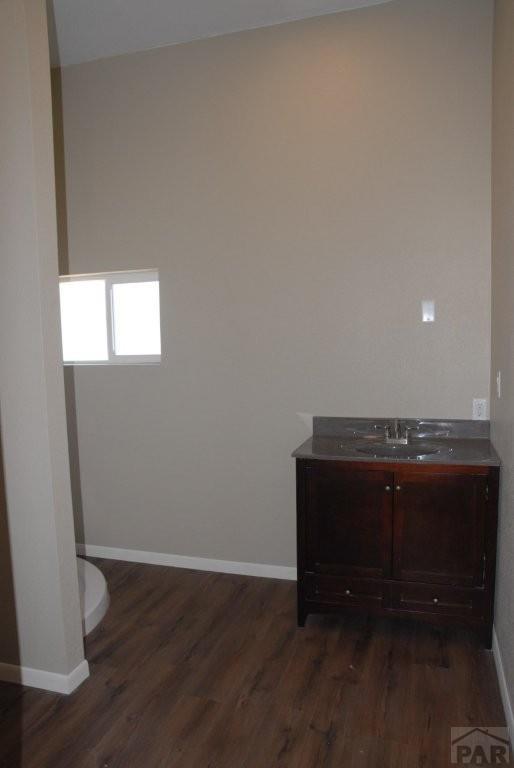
(435, 600)
(398, 487)
(388, 488)
(347, 592)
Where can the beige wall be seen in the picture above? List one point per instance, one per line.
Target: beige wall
(36, 515)
(301, 189)
(502, 410)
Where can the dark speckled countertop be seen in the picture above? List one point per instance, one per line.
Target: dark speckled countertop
(436, 442)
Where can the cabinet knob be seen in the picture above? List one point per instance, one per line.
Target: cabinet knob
(388, 488)
(398, 487)
(347, 592)
(435, 600)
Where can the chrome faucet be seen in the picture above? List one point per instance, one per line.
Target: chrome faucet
(398, 433)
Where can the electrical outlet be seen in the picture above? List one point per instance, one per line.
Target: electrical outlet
(480, 409)
(499, 384)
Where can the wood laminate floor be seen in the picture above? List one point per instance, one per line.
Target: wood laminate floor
(205, 670)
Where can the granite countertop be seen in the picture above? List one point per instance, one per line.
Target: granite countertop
(439, 442)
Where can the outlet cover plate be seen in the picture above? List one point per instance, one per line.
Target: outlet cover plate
(480, 409)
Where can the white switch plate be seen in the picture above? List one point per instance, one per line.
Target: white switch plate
(480, 409)
(499, 384)
(428, 310)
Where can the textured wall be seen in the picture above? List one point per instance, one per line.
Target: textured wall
(502, 410)
(301, 189)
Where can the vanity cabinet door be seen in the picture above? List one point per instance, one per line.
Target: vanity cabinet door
(439, 528)
(348, 520)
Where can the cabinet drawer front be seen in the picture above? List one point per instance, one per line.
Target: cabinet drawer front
(436, 598)
(345, 591)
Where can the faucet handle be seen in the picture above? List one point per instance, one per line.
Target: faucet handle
(386, 427)
(408, 430)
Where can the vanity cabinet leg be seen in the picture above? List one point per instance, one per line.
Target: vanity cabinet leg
(487, 637)
(300, 607)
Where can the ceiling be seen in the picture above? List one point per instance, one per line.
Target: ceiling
(84, 30)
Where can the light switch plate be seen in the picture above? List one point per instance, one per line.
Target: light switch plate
(428, 310)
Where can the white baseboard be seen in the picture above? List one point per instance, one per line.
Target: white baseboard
(504, 690)
(40, 678)
(194, 563)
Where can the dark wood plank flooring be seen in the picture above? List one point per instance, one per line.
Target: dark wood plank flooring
(204, 670)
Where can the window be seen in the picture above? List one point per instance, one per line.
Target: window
(111, 318)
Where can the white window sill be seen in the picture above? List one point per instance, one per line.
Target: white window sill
(140, 360)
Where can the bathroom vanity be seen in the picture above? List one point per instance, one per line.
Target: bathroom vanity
(400, 527)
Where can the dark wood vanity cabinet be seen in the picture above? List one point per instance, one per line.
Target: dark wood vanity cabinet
(398, 540)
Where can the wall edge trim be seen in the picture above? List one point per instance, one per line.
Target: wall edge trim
(194, 563)
(502, 682)
(41, 678)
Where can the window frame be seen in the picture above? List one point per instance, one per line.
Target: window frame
(112, 278)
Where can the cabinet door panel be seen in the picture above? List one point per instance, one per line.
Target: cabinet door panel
(349, 521)
(439, 525)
